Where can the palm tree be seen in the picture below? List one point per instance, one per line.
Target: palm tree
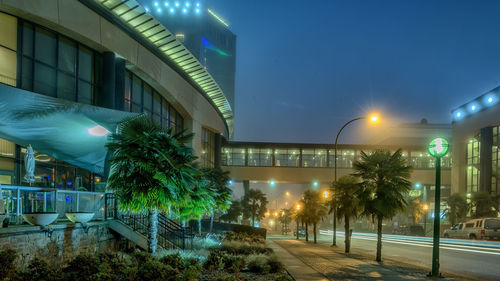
(314, 210)
(347, 203)
(151, 169)
(457, 208)
(234, 211)
(285, 219)
(218, 181)
(254, 205)
(385, 183)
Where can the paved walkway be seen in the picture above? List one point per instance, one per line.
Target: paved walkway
(311, 262)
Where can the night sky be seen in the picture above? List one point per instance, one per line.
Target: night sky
(306, 67)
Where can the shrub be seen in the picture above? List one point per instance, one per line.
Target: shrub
(258, 264)
(233, 264)
(82, 268)
(7, 267)
(40, 270)
(191, 262)
(191, 273)
(214, 261)
(154, 270)
(228, 278)
(174, 260)
(141, 258)
(275, 264)
(283, 277)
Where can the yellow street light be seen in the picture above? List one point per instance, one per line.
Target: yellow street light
(325, 194)
(275, 214)
(374, 118)
(287, 193)
(298, 207)
(425, 207)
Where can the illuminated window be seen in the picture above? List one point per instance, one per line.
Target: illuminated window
(473, 171)
(207, 158)
(8, 48)
(495, 161)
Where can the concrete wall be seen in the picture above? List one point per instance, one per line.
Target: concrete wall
(66, 241)
(462, 131)
(75, 20)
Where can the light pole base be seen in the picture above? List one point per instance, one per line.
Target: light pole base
(439, 276)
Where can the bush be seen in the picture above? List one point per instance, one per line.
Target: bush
(40, 270)
(191, 273)
(154, 270)
(174, 260)
(214, 261)
(141, 258)
(7, 267)
(275, 265)
(191, 262)
(283, 277)
(258, 264)
(233, 264)
(82, 268)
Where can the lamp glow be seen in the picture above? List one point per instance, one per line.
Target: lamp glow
(272, 182)
(374, 118)
(438, 147)
(315, 183)
(177, 4)
(172, 10)
(97, 131)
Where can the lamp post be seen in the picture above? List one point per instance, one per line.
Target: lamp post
(437, 149)
(297, 219)
(373, 119)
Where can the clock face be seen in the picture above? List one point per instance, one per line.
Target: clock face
(438, 147)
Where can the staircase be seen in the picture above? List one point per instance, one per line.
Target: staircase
(134, 227)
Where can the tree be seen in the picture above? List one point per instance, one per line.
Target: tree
(347, 202)
(416, 210)
(151, 169)
(385, 183)
(218, 181)
(233, 213)
(482, 205)
(457, 208)
(285, 219)
(254, 205)
(314, 210)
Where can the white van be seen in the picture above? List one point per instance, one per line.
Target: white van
(487, 228)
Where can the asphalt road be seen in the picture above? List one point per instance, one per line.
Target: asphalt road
(474, 259)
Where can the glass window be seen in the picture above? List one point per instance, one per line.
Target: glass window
(66, 86)
(171, 117)
(164, 114)
(136, 95)
(28, 35)
(128, 88)
(148, 100)
(27, 74)
(233, 156)
(422, 160)
(84, 92)
(473, 172)
(260, 157)
(85, 64)
(67, 55)
(287, 157)
(8, 31)
(45, 42)
(157, 108)
(345, 158)
(8, 66)
(207, 148)
(45, 80)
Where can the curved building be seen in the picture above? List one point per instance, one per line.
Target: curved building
(71, 70)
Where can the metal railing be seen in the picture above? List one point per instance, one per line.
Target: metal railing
(171, 234)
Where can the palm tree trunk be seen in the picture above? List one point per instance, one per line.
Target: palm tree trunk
(314, 230)
(347, 235)
(199, 227)
(253, 219)
(379, 239)
(307, 232)
(152, 231)
(211, 221)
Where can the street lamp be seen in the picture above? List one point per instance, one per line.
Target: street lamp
(426, 209)
(437, 149)
(373, 118)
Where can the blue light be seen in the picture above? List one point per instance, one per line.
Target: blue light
(197, 4)
(458, 114)
(473, 107)
(184, 11)
(188, 4)
(272, 182)
(418, 185)
(315, 184)
(156, 4)
(177, 4)
(197, 11)
(172, 10)
(490, 99)
(147, 9)
(166, 4)
(230, 182)
(159, 10)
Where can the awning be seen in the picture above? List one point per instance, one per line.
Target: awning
(57, 127)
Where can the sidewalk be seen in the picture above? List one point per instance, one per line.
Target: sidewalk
(308, 261)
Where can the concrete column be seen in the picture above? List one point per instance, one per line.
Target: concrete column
(246, 187)
(119, 84)
(218, 150)
(108, 80)
(486, 140)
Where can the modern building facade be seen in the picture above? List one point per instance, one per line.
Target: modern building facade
(72, 70)
(205, 34)
(476, 145)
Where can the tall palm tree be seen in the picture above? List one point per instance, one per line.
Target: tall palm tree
(385, 184)
(218, 181)
(482, 205)
(254, 205)
(314, 210)
(348, 203)
(234, 211)
(151, 169)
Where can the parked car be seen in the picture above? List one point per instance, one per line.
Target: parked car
(302, 232)
(485, 228)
